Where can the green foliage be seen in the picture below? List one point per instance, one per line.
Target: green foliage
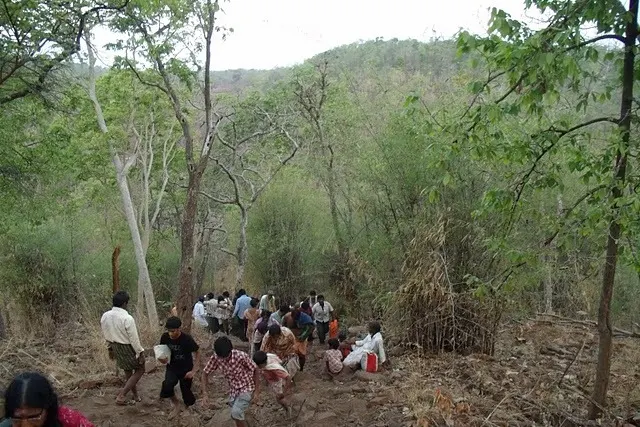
(418, 133)
(289, 237)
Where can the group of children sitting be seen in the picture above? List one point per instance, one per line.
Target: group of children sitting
(274, 360)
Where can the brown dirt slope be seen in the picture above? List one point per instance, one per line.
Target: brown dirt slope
(541, 374)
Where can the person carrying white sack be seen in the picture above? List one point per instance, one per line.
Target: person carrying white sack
(372, 343)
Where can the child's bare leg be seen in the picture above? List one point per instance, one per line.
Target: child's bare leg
(177, 407)
(281, 398)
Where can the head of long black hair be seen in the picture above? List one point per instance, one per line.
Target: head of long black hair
(32, 390)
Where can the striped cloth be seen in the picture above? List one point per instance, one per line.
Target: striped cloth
(125, 356)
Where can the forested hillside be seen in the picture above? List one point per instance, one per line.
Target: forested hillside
(394, 173)
(445, 188)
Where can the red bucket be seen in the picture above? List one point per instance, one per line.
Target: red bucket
(370, 362)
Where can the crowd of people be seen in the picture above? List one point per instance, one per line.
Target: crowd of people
(279, 339)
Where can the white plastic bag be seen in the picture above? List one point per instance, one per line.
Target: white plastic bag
(162, 352)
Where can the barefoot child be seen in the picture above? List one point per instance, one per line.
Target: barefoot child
(180, 368)
(333, 358)
(241, 374)
(275, 375)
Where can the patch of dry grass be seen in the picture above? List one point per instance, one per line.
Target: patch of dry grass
(429, 312)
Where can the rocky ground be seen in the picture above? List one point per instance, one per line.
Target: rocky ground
(541, 374)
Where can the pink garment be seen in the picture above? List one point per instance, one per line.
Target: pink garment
(71, 418)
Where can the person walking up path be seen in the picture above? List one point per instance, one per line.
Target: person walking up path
(322, 314)
(241, 373)
(120, 331)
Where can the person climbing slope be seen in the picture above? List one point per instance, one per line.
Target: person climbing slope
(251, 315)
(199, 313)
(322, 314)
(277, 317)
(302, 326)
(268, 302)
(281, 341)
(120, 331)
(241, 373)
(180, 367)
(276, 376)
(240, 306)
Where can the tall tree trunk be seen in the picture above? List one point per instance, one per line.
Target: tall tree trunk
(548, 287)
(3, 327)
(601, 385)
(201, 274)
(187, 233)
(121, 178)
(144, 280)
(115, 269)
(333, 206)
(551, 267)
(242, 247)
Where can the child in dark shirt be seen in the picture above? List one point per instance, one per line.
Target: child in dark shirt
(180, 367)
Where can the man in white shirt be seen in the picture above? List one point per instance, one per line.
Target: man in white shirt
(120, 332)
(222, 313)
(322, 313)
(267, 303)
(199, 313)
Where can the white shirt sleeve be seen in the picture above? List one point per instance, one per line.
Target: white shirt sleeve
(103, 326)
(361, 343)
(379, 348)
(132, 333)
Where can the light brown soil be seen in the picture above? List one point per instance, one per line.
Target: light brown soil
(534, 378)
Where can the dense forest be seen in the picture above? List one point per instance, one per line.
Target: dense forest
(491, 174)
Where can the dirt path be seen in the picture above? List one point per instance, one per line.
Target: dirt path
(351, 400)
(541, 374)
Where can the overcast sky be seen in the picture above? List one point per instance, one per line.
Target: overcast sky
(273, 33)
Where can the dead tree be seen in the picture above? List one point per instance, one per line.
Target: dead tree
(248, 178)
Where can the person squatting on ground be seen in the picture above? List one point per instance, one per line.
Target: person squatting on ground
(242, 376)
(333, 358)
(30, 401)
(180, 367)
(120, 331)
(276, 377)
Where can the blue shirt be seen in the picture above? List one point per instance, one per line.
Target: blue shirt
(243, 303)
(304, 319)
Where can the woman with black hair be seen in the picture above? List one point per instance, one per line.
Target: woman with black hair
(30, 401)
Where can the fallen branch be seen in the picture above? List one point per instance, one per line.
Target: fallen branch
(572, 362)
(617, 332)
(486, 420)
